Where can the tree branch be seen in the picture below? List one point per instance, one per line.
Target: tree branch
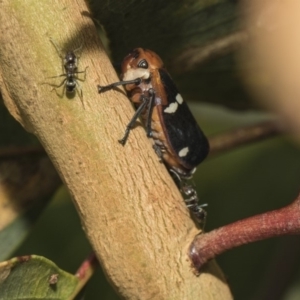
(129, 206)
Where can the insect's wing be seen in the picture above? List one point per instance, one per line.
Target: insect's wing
(183, 133)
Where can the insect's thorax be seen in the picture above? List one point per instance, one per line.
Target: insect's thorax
(71, 69)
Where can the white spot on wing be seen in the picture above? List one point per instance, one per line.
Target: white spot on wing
(171, 108)
(179, 99)
(183, 152)
(136, 73)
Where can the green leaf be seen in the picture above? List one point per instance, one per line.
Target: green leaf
(34, 277)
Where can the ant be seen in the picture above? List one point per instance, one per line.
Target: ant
(70, 69)
(190, 197)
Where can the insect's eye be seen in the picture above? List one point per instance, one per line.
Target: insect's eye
(143, 64)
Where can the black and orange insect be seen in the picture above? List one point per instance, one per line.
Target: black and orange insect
(179, 141)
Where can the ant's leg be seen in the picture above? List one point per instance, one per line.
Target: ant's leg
(79, 92)
(84, 77)
(61, 75)
(63, 91)
(56, 85)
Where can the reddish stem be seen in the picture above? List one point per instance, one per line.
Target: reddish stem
(84, 273)
(87, 267)
(284, 221)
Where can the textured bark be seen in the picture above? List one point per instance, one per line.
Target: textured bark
(130, 209)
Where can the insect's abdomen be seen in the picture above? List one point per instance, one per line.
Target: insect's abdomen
(186, 140)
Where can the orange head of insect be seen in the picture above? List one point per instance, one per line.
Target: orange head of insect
(139, 63)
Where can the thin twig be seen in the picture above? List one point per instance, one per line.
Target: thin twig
(20, 152)
(192, 57)
(242, 136)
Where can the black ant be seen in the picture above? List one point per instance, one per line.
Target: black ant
(70, 69)
(190, 197)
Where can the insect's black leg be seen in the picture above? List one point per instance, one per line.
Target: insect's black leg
(102, 89)
(84, 77)
(56, 85)
(79, 92)
(149, 114)
(145, 100)
(61, 75)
